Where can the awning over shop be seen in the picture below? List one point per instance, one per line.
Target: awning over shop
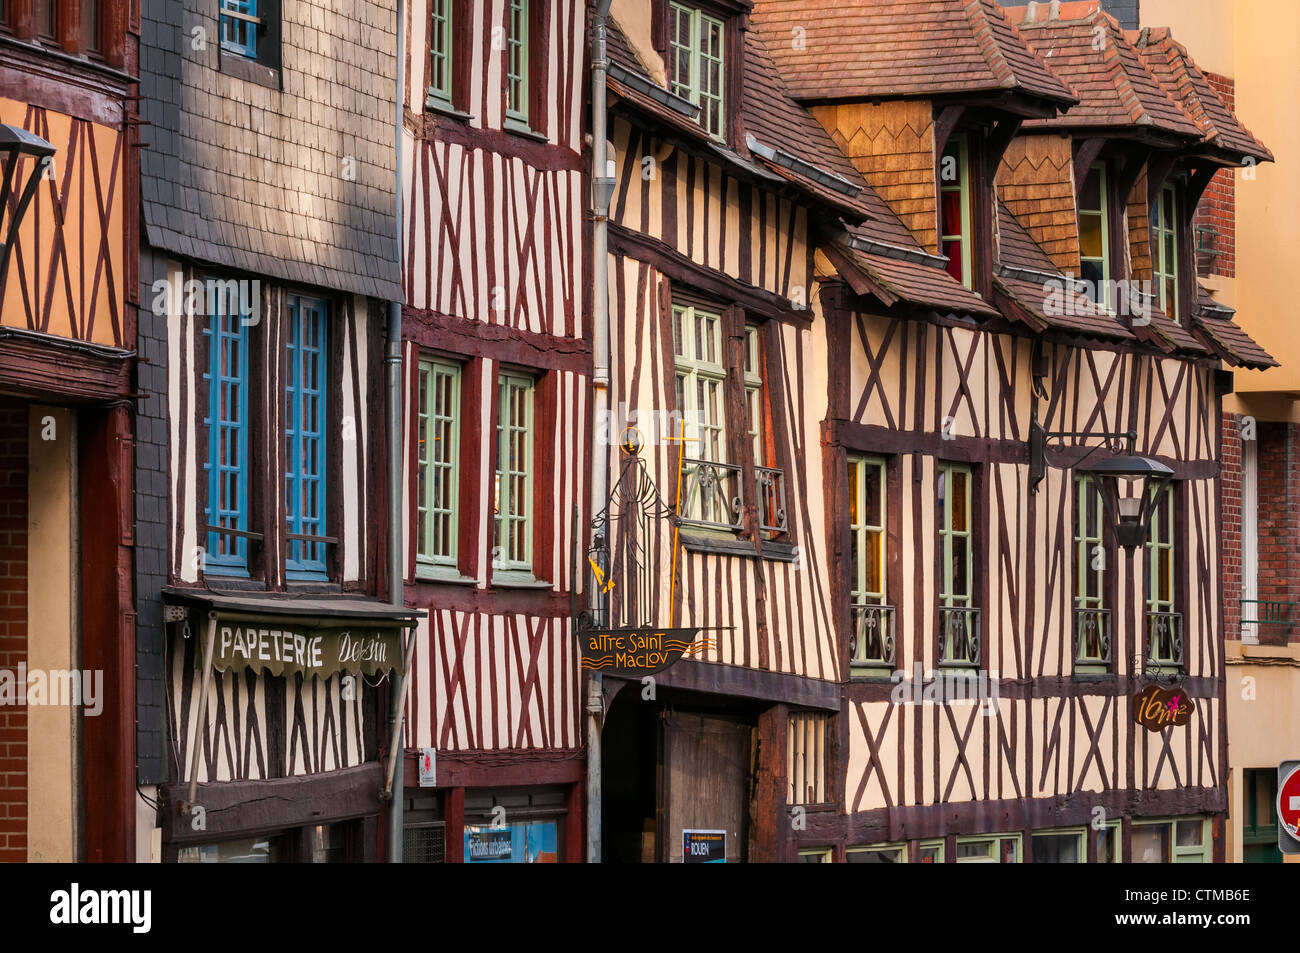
(282, 634)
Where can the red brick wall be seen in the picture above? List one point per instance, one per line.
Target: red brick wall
(1218, 206)
(1230, 476)
(1279, 519)
(13, 625)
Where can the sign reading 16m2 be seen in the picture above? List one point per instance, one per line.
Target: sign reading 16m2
(634, 652)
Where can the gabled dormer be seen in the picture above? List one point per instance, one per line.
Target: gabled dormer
(924, 102)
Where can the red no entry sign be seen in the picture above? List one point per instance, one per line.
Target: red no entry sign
(1288, 802)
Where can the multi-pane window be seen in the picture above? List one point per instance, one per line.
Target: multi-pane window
(440, 53)
(46, 18)
(239, 26)
(227, 465)
(872, 642)
(438, 458)
(959, 622)
(304, 439)
(1183, 840)
(710, 486)
(697, 67)
(754, 393)
(1091, 621)
(1160, 554)
(1003, 849)
(880, 854)
(517, 79)
(955, 209)
(1094, 235)
(1164, 249)
(514, 474)
(697, 344)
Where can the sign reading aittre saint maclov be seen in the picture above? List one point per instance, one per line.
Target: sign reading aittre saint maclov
(281, 649)
(633, 652)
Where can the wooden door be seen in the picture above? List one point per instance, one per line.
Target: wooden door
(706, 780)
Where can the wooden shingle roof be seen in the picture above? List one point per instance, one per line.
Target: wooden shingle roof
(1226, 337)
(1089, 49)
(864, 49)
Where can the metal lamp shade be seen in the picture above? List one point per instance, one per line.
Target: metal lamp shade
(1130, 513)
(15, 145)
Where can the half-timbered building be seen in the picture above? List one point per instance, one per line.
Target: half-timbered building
(68, 260)
(497, 459)
(994, 637)
(268, 265)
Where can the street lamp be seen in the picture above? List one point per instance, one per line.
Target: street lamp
(15, 146)
(1132, 513)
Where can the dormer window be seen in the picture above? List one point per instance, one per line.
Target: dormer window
(697, 64)
(1094, 236)
(1164, 250)
(955, 209)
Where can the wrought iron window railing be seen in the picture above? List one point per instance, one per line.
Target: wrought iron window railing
(959, 636)
(771, 499)
(871, 646)
(1164, 639)
(1092, 636)
(711, 494)
(1268, 612)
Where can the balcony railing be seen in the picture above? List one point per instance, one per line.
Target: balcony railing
(1267, 612)
(959, 636)
(871, 646)
(771, 499)
(1092, 636)
(1165, 639)
(711, 494)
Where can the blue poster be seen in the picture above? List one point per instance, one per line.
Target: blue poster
(528, 842)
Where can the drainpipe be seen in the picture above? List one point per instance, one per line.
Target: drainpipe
(602, 191)
(396, 564)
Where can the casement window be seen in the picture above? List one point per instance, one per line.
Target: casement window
(769, 479)
(518, 80)
(710, 486)
(872, 642)
(959, 624)
(1094, 236)
(1070, 846)
(697, 63)
(1164, 249)
(46, 14)
(438, 452)
(878, 854)
(1164, 624)
(1179, 840)
(70, 26)
(514, 474)
(754, 393)
(227, 466)
(955, 231)
(818, 855)
(241, 26)
(305, 462)
(998, 849)
(1092, 620)
(441, 51)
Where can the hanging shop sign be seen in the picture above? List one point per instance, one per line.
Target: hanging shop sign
(1156, 708)
(1288, 807)
(704, 847)
(634, 652)
(283, 648)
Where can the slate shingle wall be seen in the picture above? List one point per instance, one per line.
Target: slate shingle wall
(240, 175)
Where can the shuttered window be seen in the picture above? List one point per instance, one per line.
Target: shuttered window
(305, 439)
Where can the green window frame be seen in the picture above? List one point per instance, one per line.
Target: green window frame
(754, 393)
(438, 463)
(1089, 582)
(1160, 553)
(877, 854)
(994, 849)
(697, 63)
(955, 235)
(868, 545)
(1094, 235)
(818, 855)
(1164, 250)
(701, 380)
(518, 80)
(514, 474)
(958, 631)
(440, 51)
(1177, 840)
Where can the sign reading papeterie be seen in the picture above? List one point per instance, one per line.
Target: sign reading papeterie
(280, 649)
